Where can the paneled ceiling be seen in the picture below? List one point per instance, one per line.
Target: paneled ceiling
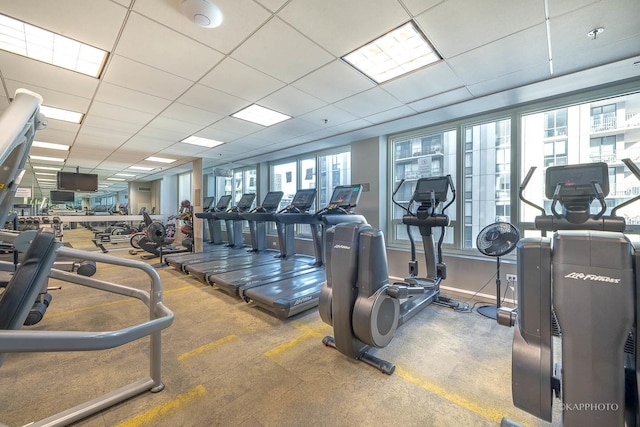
(166, 78)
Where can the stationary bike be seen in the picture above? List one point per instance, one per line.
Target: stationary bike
(357, 299)
(580, 284)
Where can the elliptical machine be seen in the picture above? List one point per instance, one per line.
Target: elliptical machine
(580, 284)
(357, 299)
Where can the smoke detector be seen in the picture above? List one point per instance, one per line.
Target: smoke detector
(202, 13)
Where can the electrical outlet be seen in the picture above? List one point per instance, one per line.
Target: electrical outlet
(512, 278)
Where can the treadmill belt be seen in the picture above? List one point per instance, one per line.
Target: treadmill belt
(203, 270)
(231, 282)
(291, 296)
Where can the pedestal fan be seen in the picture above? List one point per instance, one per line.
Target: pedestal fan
(496, 240)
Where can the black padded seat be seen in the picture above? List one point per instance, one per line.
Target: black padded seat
(28, 280)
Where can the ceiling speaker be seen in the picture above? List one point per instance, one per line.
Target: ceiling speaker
(202, 13)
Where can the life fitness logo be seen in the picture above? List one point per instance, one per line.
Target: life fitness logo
(592, 277)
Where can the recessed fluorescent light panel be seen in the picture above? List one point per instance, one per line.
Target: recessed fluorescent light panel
(126, 174)
(160, 159)
(203, 142)
(260, 115)
(46, 179)
(115, 179)
(398, 52)
(60, 114)
(46, 174)
(45, 158)
(46, 168)
(36, 43)
(51, 146)
(141, 168)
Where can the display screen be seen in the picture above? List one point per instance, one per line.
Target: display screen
(62, 196)
(346, 196)
(304, 199)
(71, 181)
(246, 201)
(425, 186)
(223, 203)
(206, 203)
(577, 180)
(272, 200)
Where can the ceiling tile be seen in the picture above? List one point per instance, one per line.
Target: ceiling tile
(56, 136)
(491, 61)
(235, 126)
(471, 31)
(291, 101)
(241, 19)
(333, 82)
(435, 78)
(186, 113)
(272, 5)
(441, 100)
(39, 74)
(160, 47)
(231, 76)
(394, 113)
(115, 112)
(124, 72)
(342, 26)
(132, 99)
(53, 98)
(96, 22)
(275, 50)
(174, 126)
(114, 125)
(509, 81)
(573, 50)
(213, 100)
(328, 116)
(369, 102)
(416, 7)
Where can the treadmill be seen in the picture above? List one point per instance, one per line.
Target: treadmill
(266, 270)
(179, 261)
(200, 270)
(290, 296)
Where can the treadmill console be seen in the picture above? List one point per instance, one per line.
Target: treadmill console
(245, 202)
(345, 197)
(431, 189)
(223, 203)
(207, 202)
(271, 201)
(303, 199)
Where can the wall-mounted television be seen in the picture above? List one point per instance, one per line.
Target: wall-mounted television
(62, 196)
(73, 181)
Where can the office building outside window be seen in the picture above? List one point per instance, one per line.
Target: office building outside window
(487, 166)
(420, 156)
(600, 131)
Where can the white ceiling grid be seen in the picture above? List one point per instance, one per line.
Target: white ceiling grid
(166, 79)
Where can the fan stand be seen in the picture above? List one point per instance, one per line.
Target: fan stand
(491, 311)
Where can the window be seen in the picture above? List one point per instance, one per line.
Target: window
(184, 187)
(488, 155)
(602, 149)
(283, 179)
(334, 169)
(603, 118)
(420, 156)
(555, 123)
(555, 153)
(585, 142)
